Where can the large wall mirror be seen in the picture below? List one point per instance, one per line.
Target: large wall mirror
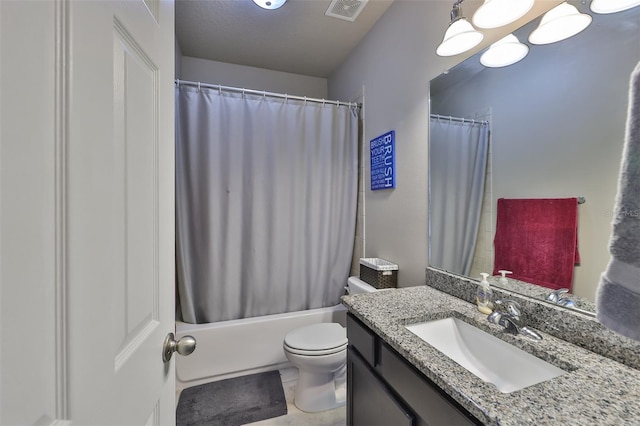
(556, 124)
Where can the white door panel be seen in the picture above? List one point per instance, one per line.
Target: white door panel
(120, 228)
(87, 203)
(86, 211)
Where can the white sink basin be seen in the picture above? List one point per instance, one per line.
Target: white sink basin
(491, 359)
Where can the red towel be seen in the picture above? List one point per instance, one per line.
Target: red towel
(537, 239)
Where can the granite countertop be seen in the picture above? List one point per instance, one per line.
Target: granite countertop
(538, 292)
(596, 390)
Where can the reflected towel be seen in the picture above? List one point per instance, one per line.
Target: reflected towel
(537, 240)
(618, 295)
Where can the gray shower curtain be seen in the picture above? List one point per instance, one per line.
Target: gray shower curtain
(266, 198)
(457, 167)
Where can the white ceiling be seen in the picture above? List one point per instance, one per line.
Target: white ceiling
(297, 38)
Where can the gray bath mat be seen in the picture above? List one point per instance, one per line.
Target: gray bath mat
(232, 402)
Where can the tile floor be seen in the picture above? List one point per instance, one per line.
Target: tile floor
(295, 417)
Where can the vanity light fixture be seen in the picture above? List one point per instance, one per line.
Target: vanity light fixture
(270, 4)
(496, 13)
(560, 23)
(460, 36)
(504, 52)
(612, 6)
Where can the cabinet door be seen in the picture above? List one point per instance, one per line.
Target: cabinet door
(429, 403)
(370, 403)
(362, 339)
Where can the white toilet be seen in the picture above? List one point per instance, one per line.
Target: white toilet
(319, 351)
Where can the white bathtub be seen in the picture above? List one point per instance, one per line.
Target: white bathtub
(239, 347)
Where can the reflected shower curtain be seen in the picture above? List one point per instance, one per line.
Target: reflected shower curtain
(457, 167)
(266, 198)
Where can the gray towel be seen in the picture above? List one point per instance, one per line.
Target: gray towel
(618, 295)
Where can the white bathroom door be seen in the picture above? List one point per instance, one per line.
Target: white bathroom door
(119, 175)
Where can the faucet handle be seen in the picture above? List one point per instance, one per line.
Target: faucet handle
(567, 303)
(508, 306)
(554, 296)
(494, 317)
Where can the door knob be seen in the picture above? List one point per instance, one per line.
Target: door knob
(185, 346)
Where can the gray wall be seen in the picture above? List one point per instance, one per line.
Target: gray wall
(213, 72)
(391, 64)
(178, 60)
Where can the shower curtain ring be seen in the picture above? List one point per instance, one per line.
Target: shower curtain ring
(198, 86)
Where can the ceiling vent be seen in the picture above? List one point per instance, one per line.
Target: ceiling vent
(346, 9)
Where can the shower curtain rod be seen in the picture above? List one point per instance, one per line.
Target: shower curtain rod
(263, 93)
(459, 119)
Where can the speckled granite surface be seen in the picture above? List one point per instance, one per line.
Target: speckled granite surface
(516, 286)
(581, 330)
(595, 391)
(540, 293)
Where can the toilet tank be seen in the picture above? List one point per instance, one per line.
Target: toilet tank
(355, 286)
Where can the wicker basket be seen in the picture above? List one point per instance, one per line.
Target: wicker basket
(379, 273)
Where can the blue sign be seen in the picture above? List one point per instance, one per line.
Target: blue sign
(383, 161)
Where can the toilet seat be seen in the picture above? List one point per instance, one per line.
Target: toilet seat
(317, 339)
(315, 352)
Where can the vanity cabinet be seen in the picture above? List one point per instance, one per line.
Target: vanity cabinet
(384, 389)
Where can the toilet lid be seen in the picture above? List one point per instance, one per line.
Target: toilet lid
(317, 337)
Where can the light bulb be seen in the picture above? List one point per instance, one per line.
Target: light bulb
(504, 52)
(496, 13)
(270, 4)
(612, 6)
(561, 22)
(459, 37)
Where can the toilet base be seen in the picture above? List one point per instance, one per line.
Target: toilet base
(320, 391)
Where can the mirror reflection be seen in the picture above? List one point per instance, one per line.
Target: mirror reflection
(548, 127)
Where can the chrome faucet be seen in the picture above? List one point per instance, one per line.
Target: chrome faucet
(507, 314)
(556, 297)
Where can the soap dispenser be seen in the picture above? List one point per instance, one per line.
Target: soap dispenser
(503, 279)
(484, 295)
